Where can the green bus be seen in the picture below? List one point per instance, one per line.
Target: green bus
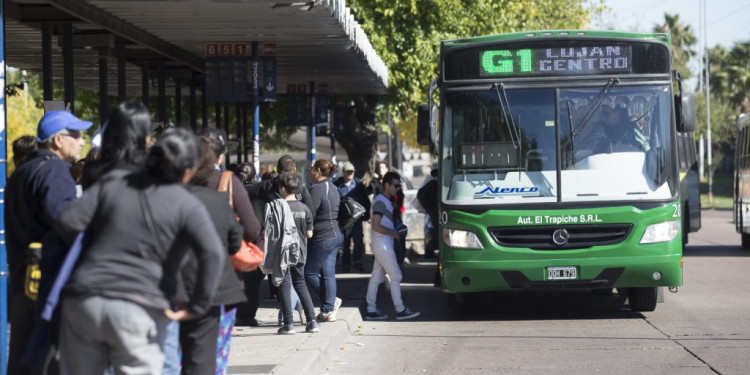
(558, 163)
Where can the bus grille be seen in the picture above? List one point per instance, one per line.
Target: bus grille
(579, 236)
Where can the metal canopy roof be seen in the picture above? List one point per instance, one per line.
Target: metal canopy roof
(315, 40)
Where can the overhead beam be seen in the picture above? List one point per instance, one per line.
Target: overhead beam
(126, 30)
(37, 13)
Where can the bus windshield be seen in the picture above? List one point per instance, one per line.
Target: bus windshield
(610, 143)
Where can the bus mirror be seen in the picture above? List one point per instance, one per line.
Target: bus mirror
(423, 125)
(687, 113)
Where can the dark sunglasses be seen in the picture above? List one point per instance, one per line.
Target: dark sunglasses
(75, 134)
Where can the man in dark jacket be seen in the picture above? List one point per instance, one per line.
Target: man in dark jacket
(350, 186)
(427, 196)
(268, 190)
(35, 195)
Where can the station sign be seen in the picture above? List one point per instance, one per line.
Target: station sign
(269, 89)
(269, 49)
(226, 72)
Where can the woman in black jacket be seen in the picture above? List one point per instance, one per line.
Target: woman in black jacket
(119, 298)
(198, 337)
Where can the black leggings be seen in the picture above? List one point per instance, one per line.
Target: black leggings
(295, 276)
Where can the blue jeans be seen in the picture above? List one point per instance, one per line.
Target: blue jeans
(172, 349)
(353, 235)
(320, 270)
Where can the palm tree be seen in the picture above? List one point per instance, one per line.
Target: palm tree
(683, 41)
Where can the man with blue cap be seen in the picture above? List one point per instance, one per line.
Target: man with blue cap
(36, 193)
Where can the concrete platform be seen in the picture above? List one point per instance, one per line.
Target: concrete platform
(260, 350)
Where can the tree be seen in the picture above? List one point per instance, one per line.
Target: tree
(729, 77)
(683, 41)
(407, 35)
(23, 116)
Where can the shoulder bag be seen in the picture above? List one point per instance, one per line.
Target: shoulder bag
(249, 256)
(349, 211)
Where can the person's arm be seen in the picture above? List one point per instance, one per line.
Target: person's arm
(306, 199)
(244, 210)
(376, 217)
(78, 214)
(234, 233)
(57, 189)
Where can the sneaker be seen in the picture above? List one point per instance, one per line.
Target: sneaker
(337, 304)
(287, 330)
(327, 317)
(312, 327)
(406, 314)
(377, 315)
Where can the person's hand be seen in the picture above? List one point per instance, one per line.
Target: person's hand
(181, 314)
(642, 140)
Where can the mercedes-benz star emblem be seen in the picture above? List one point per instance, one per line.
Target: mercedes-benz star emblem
(560, 236)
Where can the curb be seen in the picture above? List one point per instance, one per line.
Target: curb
(314, 354)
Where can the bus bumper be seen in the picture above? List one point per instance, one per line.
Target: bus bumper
(479, 276)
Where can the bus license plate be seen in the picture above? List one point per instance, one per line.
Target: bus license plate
(561, 273)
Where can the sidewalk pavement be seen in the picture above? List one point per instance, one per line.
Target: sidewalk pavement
(260, 350)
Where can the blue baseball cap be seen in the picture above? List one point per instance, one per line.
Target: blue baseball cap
(56, 121)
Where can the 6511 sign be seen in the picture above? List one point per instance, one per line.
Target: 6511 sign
(226, 49)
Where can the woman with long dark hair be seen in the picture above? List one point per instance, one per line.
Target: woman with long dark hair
(320, 270)
(125, 139)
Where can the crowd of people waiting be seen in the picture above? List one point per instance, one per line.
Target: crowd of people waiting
(119, 261)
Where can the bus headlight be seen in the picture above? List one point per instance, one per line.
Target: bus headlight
(461, 239)
(661, 232)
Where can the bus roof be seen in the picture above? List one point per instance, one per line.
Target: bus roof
(448, 44)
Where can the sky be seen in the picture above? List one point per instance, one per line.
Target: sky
(727, 21)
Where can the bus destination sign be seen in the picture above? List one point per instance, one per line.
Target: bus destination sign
(581, 60)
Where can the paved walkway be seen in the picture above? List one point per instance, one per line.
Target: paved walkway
(260, 350)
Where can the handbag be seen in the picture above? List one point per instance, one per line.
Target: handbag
(349, 211)
(249, 257)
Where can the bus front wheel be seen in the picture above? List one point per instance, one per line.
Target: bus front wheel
(642, 299)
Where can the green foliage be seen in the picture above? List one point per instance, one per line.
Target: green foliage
(407, 35)
(729, 78)
(22, 118)
(683, 41)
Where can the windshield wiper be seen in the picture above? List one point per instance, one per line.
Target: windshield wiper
(570, 125)
(512, 128)
(595, 105)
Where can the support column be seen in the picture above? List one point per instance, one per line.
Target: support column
(162, 94)
(217, 115)
(245, 138)
(226, 130)
(178, 103)
(47, 62)
(311, 129)
(204, 107)
(144, 85)
(256, 111)
(332, 128)
(103, 85)
(68, 67)
(238, 125)
(193, 103)
(122, 92)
